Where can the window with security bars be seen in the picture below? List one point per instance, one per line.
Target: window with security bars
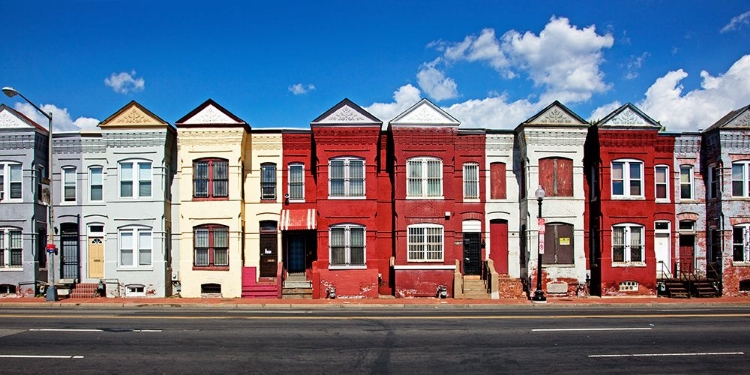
(296, 182)
(268, 181)
(210, 178)
(346, 177)
(135, 179)
(11, 248)
(347, 245)
(741, 243)
(425, 243)
(741, 179)
(136, 247)
(211, 246)
(471, 181)
(627, 243)
(11, 180)
(424, 178)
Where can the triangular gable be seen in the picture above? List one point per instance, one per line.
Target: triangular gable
(628, 116)
(556, 114)
(210, 113)
(425, 113)
(12, 119)
(737, 119)
(133, 114)
(346, 113)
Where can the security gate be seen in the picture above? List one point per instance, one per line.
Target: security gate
(472, 254)
(69, 251)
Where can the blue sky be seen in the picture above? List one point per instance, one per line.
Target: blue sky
(490, 64)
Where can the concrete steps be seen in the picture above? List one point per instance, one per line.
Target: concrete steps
(475, 288)
(296, 286)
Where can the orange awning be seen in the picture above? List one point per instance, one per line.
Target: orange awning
(298, 219)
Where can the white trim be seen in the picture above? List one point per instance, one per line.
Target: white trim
(425, 267)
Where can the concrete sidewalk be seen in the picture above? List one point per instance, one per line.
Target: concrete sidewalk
(248, 303)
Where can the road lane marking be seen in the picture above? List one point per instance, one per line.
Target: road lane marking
(588, 329)
(91, 330)
(663, 354)
(41, 356)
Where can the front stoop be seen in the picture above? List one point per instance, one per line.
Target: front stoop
(474, 288)
(296, 287)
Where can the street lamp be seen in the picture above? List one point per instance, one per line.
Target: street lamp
(51, 290)
(539, 294)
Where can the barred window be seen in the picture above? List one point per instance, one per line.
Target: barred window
(210, 178)
(296, 182)
(346, 177)
(471, 181)
(347, 245)
(424, 177)
(627, 243)
(211, 246)
(268, 181)
(425, 243)
(11, 248)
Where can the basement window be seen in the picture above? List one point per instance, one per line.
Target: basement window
(210, 288)
(745, 286)
(7, 289)
(135, 290)
(629, 286)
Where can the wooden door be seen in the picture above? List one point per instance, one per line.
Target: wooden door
(268, 255)
(687, 253)
(499, 245)
(96, 257)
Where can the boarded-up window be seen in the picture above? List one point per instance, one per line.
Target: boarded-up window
(556, 176)
(497, 181)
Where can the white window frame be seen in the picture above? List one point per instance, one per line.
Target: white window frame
(471, 181)
(135, 178)
(686, 171)
(666, 198)
(92, 185)
(348, 258)
(293, 182)
(628, 243)
(626, 179)
(744, 178)
(745, 244)
(419, 167)
(6, 181)
(138, 245)
(6, 250)
(68, 173)
(40, 172)
(347, 177)
(714, 182)
(413, 248)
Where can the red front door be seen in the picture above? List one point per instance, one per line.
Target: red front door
(499, 245)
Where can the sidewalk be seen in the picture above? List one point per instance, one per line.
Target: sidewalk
(249, 303)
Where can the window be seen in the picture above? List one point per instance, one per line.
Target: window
(714, 181)
(594, 186)
(714, 245)
(425, 243)
(741, 179)
(11, 248)
(11, 178)
(686, 182)
(69, 184)
(296, 182)
(210, 178)
(661, 183)
(211, 244)
(135, 172)
(627, 179)
(135, 247)
(347, 245)
(268, 181)
(687, 225)
(95, 184)
(741, 243)
(40, 175)
(471, 181)
(347, 177)
(556, 176)
(424, 178)
(627, 243)
(135, 290)
(498, 183)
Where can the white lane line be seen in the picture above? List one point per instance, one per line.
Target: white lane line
(588, 329)
(41, 356)
(147, 330)
(65, 330)
(663, 354)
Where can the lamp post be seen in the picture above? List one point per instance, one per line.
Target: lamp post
(539, 294)
(51, 290)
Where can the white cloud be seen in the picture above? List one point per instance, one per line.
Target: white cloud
(405, 97)
(493, 112)
(737, 23)
(435, 83)
(667, 102)
(61, 120)
(299, 89)
(125, 83)
(604, 110)
(634, 65)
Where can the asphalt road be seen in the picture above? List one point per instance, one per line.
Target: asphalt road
(709, 340)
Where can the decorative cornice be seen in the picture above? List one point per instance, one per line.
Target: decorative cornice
(554, 116)
(210, 115)
(133, 116)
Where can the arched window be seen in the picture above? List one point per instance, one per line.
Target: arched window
(346, 177)
(211, 246)
(136, 247)
(556, 176)
(627, 243)
(210, 178)
(135, 179)
(268, 181)
(627, 179)
(347, 242)
(11, 248)
(424, 177)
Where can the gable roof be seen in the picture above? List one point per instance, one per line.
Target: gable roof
(133, 115)
(556, 114)
(211, 113)
(628, 116)
(737, 119)
(425, 112)
(346, 113)
(12, 119)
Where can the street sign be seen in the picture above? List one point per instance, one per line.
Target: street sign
(540, 227)
(50, 248)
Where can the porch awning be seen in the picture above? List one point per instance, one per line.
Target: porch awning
(298, 219)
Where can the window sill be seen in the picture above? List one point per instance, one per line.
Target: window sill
(425, 198)
(16, 200)
(358, 197)
(558, 265)
(210, 268)
(11, 269)
(624, 198)
(662, 201)
(137, 269)
(332, 267)
(201, 199)
(629, 264)
(740, 264)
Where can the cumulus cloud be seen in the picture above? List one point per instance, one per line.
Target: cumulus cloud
(300, 89)
(61, 119)
(434, 82)
(124, 82)
(737, 23)
(666, 100)
(405, 97)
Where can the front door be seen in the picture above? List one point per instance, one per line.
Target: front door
(499, 245)
(296, 254)
(472, 254)
(69, 251)
(268, 255)
(687, 253)
(96, 257)
(662, 254)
